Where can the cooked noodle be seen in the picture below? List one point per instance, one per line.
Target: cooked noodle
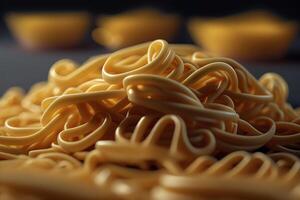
(134, 27)
(155, 120)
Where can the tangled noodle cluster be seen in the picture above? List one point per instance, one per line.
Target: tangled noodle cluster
(156, 121)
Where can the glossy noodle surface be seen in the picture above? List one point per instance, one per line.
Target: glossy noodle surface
(152, 121)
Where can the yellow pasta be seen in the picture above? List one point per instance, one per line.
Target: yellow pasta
(152, 121)
(250, 36)
(49, 30)
(133, 27)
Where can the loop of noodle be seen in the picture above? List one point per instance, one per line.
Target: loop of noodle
(155, 120)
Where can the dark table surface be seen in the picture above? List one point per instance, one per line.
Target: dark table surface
(19, 67)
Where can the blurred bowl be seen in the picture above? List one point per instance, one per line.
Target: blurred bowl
(254, 35)
(134, 27)
(49, 30)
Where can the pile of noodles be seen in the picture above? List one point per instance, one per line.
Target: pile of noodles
(152, 121)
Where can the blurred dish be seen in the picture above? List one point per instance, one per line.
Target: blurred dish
(134, 27)
(252, 36)
(49, 30)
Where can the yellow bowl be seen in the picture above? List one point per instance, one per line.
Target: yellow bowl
(134, 27)
(49, 30)
(250, 36)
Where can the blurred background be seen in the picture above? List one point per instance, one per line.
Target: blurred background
(267, 39)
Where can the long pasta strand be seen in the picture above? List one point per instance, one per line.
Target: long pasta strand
(154, 121)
